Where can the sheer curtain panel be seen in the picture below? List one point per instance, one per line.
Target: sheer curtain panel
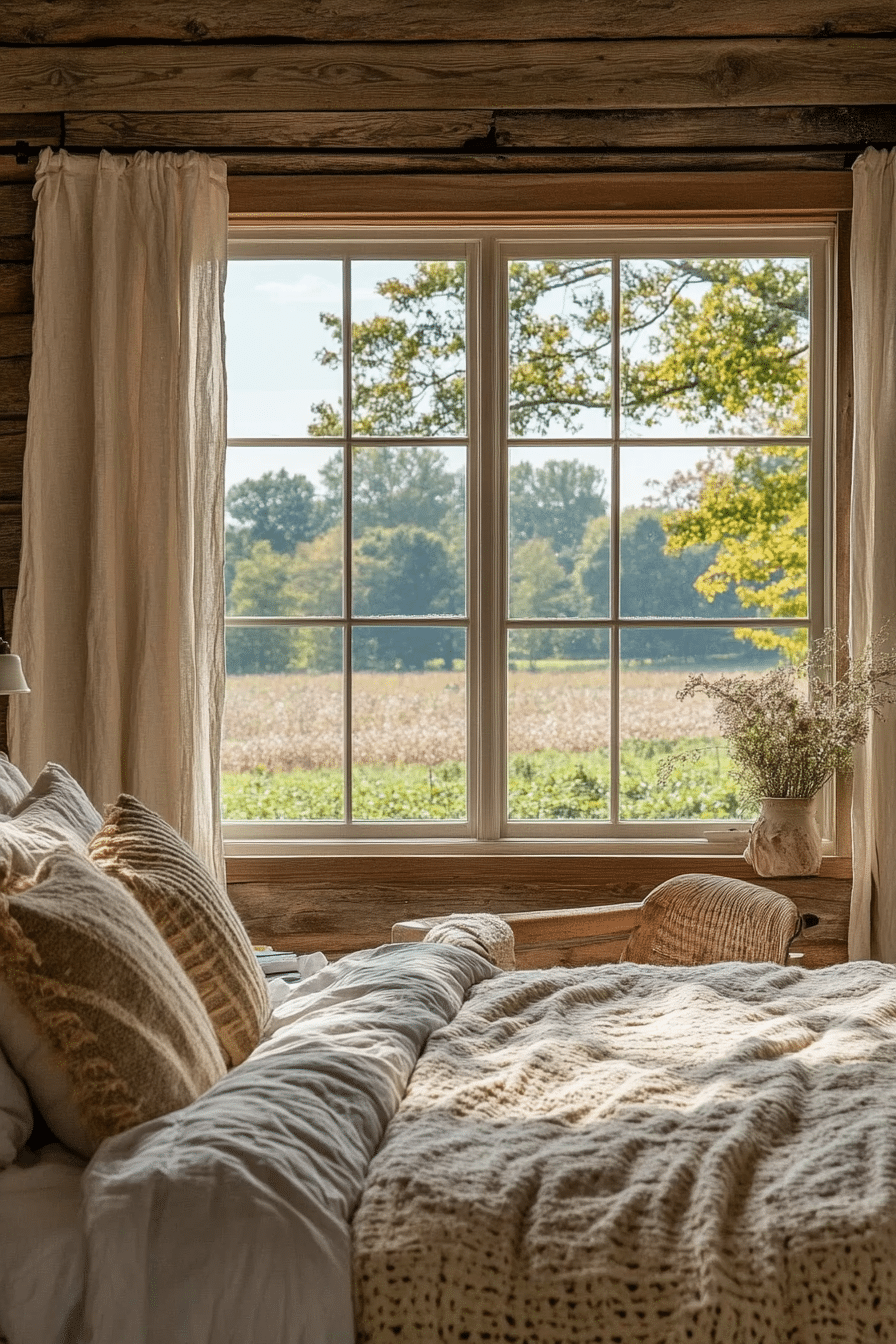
(119, 616)
(873, 561)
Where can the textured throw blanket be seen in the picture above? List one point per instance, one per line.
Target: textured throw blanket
(643, 1155)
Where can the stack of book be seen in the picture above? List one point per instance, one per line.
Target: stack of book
(278, 963)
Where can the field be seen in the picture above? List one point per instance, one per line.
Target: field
(283, 746)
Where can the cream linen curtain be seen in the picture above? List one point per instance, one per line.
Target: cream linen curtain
(872, 930)
(120, 602)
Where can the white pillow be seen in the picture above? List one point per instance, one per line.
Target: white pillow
(55, 811)
(16, 1116)
(13, 784)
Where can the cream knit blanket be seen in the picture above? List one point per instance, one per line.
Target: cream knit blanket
(643, 1155)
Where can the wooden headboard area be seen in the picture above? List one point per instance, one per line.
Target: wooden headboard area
(328, 102)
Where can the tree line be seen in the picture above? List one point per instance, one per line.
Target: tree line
(718, 343)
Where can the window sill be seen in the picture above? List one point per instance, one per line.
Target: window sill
(428, 863)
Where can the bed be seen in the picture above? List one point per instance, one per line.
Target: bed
(423, 1147)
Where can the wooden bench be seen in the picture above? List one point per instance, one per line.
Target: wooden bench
(579, 937)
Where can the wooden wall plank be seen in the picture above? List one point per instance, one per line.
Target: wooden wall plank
(36, 128)
(15, 335)
(718, 128)
(296, 130)
(10, 542)
(337, 918)
(14, 375)
(17, 210)
(480, 196)
(16, 295)
(241, 164)
(469, 75)
(103, 21)
(12, 456)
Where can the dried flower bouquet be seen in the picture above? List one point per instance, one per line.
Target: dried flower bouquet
(786, 741)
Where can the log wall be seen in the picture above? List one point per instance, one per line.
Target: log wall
(518, 90)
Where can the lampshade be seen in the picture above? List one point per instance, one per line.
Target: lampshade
(12, 678)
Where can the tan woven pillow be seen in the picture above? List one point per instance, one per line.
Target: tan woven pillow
(195, 916)
(96, 1015)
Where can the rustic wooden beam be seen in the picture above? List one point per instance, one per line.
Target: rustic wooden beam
(469, 75)
(559, 195)
(256, 163)
(703, 127)
(283, 130)
(63, 21)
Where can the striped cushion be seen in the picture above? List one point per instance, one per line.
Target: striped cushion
(193, 913)
(96, 1015)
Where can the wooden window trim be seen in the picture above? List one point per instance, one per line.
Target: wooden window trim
(688, 198)
(538, 198)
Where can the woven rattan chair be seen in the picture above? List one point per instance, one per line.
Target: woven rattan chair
(696, 918)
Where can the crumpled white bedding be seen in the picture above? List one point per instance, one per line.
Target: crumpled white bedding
(227, 1222)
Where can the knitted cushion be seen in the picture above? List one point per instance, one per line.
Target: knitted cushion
(55, 811)
(194, 914)
(96, 1015)
(698, 918)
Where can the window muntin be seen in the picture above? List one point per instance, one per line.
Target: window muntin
(603, 439)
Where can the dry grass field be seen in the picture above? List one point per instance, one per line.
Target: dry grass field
(294, 722)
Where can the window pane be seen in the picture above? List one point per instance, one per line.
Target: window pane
(409, 347)
(409, 727)
(283, 735)
(654, 724)
(409, 530)
(714, 532)
(284, 533)
(558, 724)
(715, 346)
(560, 344)
(284, 361)
(557, 510)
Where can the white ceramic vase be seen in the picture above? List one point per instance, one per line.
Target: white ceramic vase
(784, 839)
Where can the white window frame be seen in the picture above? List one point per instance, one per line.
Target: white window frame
(485, 250)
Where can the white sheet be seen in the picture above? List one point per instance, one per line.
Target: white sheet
(41, 1248)
(228, 1222)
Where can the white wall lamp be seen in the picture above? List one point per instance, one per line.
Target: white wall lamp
(12, 678)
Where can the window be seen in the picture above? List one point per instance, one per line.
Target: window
(491, 497)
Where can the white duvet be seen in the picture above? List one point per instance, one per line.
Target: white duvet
(228, 1222)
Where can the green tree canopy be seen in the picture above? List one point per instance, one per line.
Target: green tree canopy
(555, 501)
(275, 507)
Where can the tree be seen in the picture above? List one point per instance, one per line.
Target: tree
(556, 502)
(260, 588)
(653, 581)
(405, 571)
(275, 507)
(393, 485)
(719, 340)
(750, 513)
(539, 589)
